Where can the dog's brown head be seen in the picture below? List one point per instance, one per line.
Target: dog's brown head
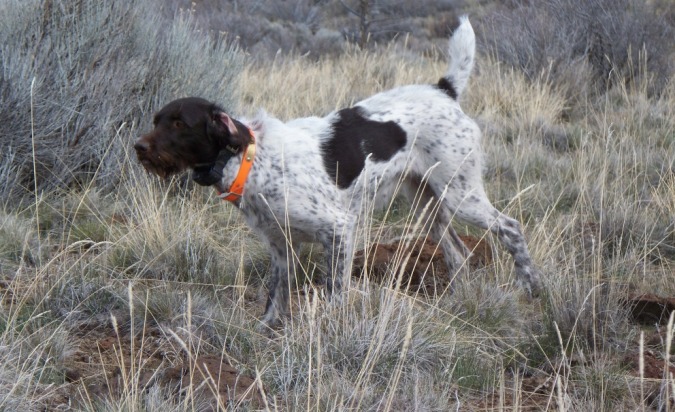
(188, 133)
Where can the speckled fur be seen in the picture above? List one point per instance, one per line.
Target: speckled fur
(291, 198)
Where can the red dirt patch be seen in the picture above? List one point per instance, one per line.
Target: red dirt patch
(425, 270)
(107, 365)
(654, 373)
(654, 365)
(219, 376)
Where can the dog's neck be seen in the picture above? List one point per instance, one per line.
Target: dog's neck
(235, 191)
(208, 174)
(211, 174)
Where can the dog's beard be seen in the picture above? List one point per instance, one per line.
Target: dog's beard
(161, 165)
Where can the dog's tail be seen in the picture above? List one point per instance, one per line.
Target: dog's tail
(461, 51)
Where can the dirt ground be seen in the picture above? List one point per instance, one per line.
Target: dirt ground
(109, 361)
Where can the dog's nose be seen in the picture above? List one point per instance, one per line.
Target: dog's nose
(141, 146)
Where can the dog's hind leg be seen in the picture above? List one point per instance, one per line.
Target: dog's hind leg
(477, 210)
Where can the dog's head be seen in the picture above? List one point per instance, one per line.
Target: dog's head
(189, 133)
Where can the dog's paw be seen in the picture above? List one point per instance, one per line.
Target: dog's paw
(532, 287)
(270, 328)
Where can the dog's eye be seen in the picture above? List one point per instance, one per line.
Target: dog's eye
(178, 124)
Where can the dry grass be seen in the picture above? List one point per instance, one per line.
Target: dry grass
(175, 270)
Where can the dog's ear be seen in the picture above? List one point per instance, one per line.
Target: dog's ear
(227, 131)
(226, 121)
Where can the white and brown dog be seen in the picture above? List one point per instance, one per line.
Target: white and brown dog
(309, 180)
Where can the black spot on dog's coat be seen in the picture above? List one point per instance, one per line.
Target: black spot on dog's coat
(354, 137)
(447, 86)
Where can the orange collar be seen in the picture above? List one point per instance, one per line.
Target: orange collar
(236, 190)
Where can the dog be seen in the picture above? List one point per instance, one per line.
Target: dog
(313, 179)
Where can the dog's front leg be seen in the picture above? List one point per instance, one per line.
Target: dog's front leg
(338, 247)
(277, 284)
